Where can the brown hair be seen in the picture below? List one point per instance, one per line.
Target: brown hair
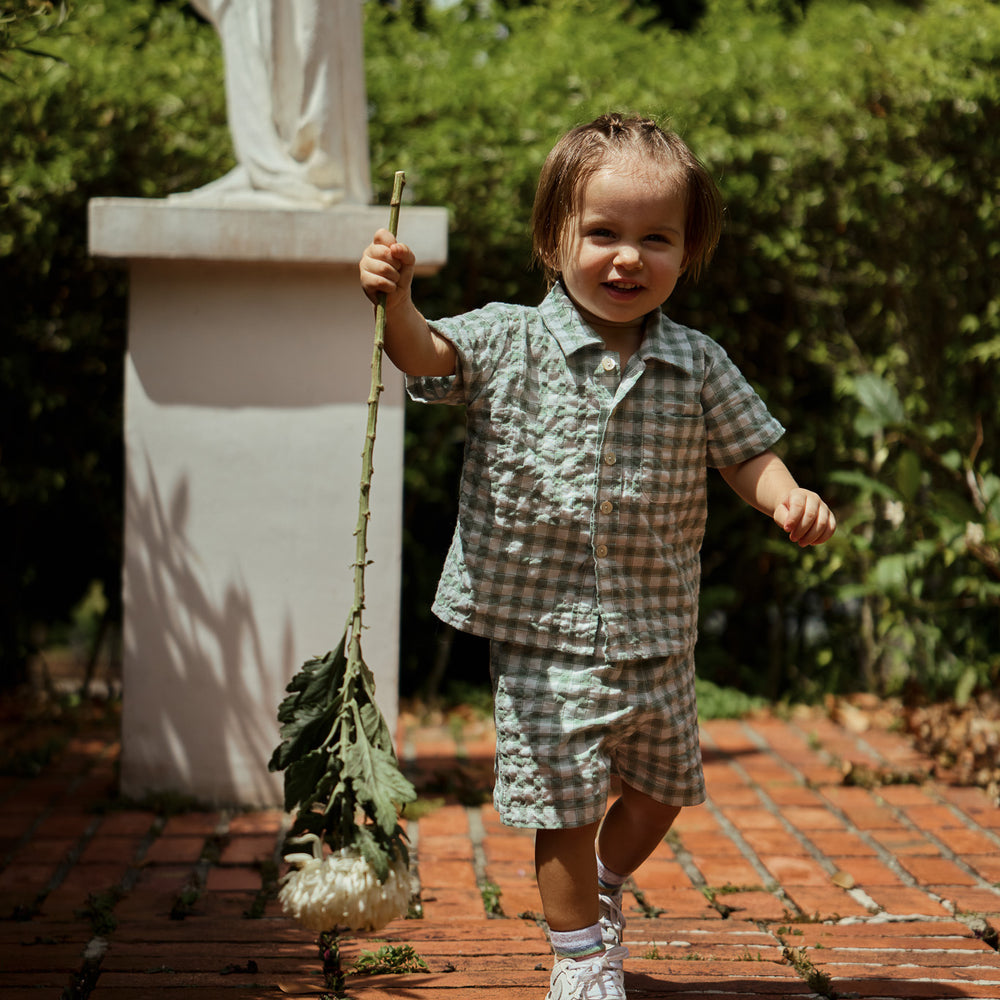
(585, 149)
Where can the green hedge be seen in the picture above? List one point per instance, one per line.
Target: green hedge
(856, 147)
(129, 102)
(856, 151)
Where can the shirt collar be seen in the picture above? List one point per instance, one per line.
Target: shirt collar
(665, 340)
(565, 323)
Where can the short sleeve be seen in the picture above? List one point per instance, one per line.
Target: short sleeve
(436, 388)
(738, 424)
(480, 339)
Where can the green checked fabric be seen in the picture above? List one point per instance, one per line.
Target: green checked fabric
(583, 493)
(567, 723)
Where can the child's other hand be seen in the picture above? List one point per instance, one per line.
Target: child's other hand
(805, 518)
(387, 266)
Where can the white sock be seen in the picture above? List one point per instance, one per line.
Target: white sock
(610, 882)
(577, 944)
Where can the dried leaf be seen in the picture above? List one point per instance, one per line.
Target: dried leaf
(845, 880)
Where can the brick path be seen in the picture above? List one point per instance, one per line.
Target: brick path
(787, 884)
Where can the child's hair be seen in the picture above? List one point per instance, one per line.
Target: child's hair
(582, 151)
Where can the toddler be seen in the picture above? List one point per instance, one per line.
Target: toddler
(591, 421)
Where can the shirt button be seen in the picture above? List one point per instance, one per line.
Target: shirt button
(609, 364)
(602, 551)
(609, 458)
(607, 507)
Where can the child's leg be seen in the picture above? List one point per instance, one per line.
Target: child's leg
(632, 828)
(629, 833)
(566, 869)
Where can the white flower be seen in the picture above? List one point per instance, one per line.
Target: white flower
(342, 890)
(895, 513)
(975, 534)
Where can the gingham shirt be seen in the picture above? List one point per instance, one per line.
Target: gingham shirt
(583, 493)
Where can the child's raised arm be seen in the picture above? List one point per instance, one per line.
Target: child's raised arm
(765, 483)
(413, 347)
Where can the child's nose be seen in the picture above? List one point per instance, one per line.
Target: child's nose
(629, 257)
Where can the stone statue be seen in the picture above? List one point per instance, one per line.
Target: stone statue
(295, 99)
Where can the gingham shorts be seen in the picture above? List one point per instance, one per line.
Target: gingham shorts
(567, 722)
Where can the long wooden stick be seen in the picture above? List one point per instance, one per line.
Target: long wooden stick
(364, 509)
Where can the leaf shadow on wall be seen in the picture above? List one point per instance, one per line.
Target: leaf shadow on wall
(194, 680)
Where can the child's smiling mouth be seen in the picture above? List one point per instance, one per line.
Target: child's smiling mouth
(622, 287)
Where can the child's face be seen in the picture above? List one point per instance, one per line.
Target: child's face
(624, 252)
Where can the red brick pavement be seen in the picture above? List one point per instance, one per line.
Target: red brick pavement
(786, 884)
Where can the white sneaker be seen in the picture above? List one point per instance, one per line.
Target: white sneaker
(612, 920)
(597, 977)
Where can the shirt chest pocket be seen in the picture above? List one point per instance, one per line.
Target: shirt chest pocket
(540, 462)
(673, 455)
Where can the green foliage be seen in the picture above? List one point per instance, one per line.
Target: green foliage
(339, 762)
(716, 702)
(855, 286)
(491, 894)
(880, 238)
(99, 911)
(927, 612)
(390, 959)
(130, 103)
(22, 24)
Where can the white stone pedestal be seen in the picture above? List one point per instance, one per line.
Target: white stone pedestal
(246, 385)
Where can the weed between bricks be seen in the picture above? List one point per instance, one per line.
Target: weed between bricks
(99, 908)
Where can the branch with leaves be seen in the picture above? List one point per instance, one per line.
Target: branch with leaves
(341, 774)
(22, 23)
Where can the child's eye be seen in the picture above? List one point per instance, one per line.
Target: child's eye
(602, 234)
(658, 238)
